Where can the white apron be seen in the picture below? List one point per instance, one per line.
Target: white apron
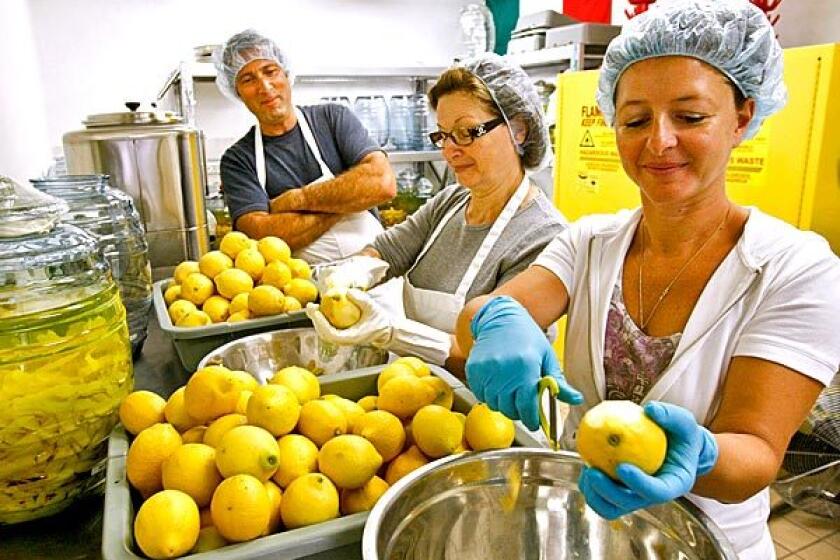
(440, 309)
(350, 235)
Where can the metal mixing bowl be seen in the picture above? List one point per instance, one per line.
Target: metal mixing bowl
(263, 354)
(524, 503)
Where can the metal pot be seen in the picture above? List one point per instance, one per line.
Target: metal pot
(524, 503)
(157, 160)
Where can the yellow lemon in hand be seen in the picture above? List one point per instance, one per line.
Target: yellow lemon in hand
(234, 242)
(488, 429)
(339, 310)
(141, 409)
(302, 290)
(311, 498)
(241, 508)
(274, 249)
(233, 282)
(614, 432)
(213, 263)
(167, 525)
(247, 450)
(183, 270)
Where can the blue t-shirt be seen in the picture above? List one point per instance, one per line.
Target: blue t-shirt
(341, 138)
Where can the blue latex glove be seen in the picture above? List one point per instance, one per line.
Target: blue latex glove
(692, 452)
(509, 356)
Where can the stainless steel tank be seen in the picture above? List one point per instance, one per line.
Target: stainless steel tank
(159, 161)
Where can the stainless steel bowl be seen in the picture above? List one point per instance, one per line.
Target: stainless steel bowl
(523, 503)
(263, 354)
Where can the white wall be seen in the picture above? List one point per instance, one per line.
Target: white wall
(96, 54)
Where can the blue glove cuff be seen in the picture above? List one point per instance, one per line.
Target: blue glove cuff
(708, 452)
(487, 309)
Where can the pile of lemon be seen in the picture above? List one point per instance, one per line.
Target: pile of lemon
(226, 460)
(245, 278)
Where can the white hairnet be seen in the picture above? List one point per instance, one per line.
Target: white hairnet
(238, 51)
(733, 36)
(516, 97)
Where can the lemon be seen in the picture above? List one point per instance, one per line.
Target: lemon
(436, 431)
(303, 383)
(266, 300)
(192, 469)
(242, 403)
(241, 508)
(251, 261)
(421, 368)
(275, 497)
(234, 242)
(383, 430)
(208, 539)
(233, 282)
(291, 304)
(298, 456)
(213, 391)
(213, 263)
(444, 396)
(167, 525)
(462, 418)
(614, 432)
(349, 460)
(217, 308)
(239, 303)
(183, 270)
(195, 318)
(146, 455)
(274, 249)
(321, 420)
(311, 498)
(364, 498)
(179, 309)
(176, 413)
(247, 450)
(404, 395)
(391, 371)
(243, 315)
(274, 408)
(302, 290)
(368, 403)
(247, 381)
(222, 425)
(197, 288)
(352, 411)
(338, 309)
(172, 294)
(487, 429)
(407, 461)
(141, 409)
(300, 268)
(276, 274)
(194, 435)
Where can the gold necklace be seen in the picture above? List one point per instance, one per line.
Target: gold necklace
(644, 323)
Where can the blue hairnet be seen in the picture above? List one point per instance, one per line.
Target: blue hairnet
(238, 51)
(733, 36)
(516, 97)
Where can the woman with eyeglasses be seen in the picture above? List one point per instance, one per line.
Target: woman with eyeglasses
(473, 236)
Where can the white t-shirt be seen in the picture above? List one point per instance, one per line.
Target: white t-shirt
(776, 296)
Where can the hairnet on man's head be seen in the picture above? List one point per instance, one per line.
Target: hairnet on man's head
(239, 50)
(733, 36)
(517, 98)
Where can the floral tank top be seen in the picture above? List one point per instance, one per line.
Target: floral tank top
(633, 360)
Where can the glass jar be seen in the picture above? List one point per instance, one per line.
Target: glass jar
(110, 215)
(65, 356)
(221, 217)
(400, 115)
(372, 111)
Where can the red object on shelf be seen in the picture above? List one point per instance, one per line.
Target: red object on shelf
(766, 6)
(639, 6)
(595, 11)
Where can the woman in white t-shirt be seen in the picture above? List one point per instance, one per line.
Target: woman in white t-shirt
(723, 322)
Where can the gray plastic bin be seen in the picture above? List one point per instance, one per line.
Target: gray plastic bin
(193, 343)
(338, 539)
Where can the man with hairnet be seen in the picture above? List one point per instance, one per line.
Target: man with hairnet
(721, 322)
(473, 236)
(309, 175)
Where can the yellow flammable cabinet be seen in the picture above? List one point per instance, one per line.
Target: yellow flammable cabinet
(790, 169)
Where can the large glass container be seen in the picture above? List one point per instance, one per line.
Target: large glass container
(65, 357)
(109, 214)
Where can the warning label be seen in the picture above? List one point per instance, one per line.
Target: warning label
(586, 141)
(596, 148)
(748, 164)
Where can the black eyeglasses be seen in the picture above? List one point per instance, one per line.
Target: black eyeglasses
(464, 135)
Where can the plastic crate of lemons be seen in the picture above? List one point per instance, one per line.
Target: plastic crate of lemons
(244, 279)
(227, 460)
